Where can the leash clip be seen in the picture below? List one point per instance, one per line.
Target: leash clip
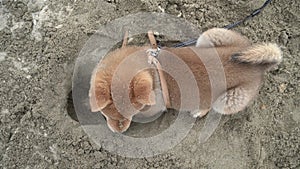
(153, 52)
(153, 55)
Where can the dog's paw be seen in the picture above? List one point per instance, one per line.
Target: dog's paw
(199, 113)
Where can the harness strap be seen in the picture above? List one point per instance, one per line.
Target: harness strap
(152, 59)
(152, 39)
(125, 40)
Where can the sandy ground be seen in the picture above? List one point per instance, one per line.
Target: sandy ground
(41, 39)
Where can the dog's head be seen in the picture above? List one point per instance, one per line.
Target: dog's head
(140, 93)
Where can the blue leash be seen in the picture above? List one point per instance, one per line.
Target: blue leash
(230, 26)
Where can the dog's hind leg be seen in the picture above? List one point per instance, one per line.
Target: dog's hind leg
(200, 113)
(217, 37)
(235, 99)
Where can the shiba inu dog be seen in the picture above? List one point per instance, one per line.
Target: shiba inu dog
(244, 65)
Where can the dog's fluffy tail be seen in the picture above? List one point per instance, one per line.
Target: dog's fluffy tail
(266, 54)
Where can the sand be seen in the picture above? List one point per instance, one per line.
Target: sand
(40, 41)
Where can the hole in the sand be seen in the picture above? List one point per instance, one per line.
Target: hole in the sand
(142, 39)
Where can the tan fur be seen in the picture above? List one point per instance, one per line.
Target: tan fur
(221, 37)
(260, 54)
(243, 64)
(142, 88)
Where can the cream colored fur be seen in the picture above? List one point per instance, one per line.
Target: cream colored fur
(244, 65)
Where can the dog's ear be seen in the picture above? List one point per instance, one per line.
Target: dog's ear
(99, 92)
(142, 88)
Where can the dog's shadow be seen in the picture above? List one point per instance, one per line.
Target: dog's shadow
(70, 107)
